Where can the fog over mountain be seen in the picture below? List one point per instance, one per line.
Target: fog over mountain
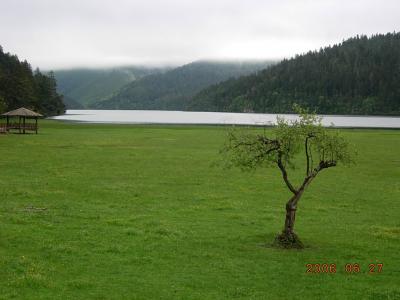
(172, 90)
(84, 87)
(57, 34)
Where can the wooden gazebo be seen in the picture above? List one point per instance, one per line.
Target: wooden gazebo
(22, 125)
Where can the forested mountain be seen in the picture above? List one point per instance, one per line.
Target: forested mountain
(83, 87)
(71, 103)
(173, 89)
(358, 76)
(20, 87)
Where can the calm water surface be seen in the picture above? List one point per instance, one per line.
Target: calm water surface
(181, 117)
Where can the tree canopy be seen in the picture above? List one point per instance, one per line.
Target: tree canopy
(21, 87)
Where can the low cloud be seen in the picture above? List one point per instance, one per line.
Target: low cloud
(96, 33)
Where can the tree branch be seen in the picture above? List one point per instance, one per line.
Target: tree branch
(308, 153)
(284, 174)
(325, 164)
(307, 180)
(307, 156)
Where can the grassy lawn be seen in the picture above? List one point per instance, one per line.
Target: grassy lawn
(138, 212)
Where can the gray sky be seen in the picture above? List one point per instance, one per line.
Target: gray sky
(54, 34)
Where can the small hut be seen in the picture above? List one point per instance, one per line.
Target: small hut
(19, 119)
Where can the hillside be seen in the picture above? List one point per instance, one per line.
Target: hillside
(71, 103)
(21, 87)
(358, 76)
(173, 89)
(83, 87)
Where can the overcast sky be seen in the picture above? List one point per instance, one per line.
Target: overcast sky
(53, 34)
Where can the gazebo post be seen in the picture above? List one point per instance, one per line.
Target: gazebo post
(22, 114)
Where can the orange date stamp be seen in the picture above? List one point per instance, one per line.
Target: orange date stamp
(350, 268)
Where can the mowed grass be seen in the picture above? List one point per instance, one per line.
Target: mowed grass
(139, 212)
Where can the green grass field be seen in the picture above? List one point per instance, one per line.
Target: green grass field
(139, 212)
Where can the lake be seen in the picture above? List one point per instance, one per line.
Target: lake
(217, 118)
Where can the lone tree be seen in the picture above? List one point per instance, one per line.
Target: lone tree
(320, 148)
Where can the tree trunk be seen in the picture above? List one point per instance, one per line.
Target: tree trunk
(291, 207)
(289, 220)
(288, 239)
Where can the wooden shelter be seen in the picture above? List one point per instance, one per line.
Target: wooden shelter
(22, 115)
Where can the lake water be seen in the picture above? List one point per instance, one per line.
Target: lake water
(181, 117)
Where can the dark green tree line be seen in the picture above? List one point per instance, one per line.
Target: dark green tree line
(359, 76)
(21, 87)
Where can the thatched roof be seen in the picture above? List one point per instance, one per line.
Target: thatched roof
(22, 112)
